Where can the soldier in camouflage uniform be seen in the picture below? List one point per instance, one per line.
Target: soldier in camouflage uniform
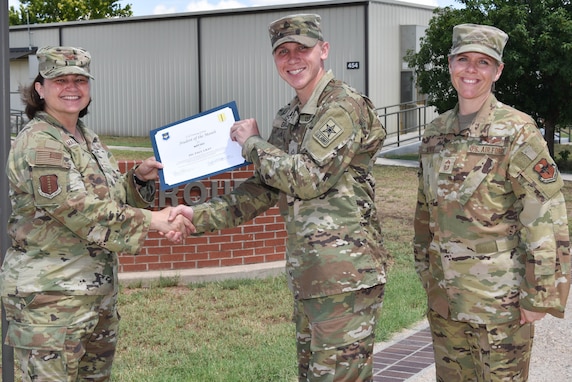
(491, 232)
(317, 166)
(72, 211)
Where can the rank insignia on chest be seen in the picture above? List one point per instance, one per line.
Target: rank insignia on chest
(49, 186)
(293, 148)
(328, 133)
(546, 171)
(447, 165)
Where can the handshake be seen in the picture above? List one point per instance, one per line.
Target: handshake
(174, 223)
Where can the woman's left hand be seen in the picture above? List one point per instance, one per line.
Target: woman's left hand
(148, 169)
(530, 316)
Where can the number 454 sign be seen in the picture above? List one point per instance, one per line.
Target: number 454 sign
(352, 65)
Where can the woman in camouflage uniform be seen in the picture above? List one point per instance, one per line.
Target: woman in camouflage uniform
(491, 232)
(72, 211)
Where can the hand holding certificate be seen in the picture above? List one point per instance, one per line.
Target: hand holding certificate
(197, 147)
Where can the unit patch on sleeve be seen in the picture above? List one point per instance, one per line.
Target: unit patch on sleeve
(328, 133)
(546, 171)
(49, 187)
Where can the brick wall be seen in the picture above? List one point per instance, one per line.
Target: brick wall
(259, 241)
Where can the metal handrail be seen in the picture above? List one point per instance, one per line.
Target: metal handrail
(407, 123)
(16, 120)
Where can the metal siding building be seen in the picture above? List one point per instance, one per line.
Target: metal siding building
(152, 71)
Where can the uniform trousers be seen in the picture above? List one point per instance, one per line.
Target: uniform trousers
(335, 335)
(59, 337)
(467, 352)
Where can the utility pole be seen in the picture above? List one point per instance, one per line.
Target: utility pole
(7, 351)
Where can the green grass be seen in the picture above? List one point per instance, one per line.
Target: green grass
(219, 331)
(241, 330)
(413, 157)
(135, 142)
(113, 140)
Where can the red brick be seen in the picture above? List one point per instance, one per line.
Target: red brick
(135, 268)
(253, 228)
(231, 246)
(258, 241)
(243, 252)
(146, 259)
(208, 263)
(173, 258)
(220, 255)
(242, 237)
(160, 266)
(265, 250)
(265, 236)
(159, 250)
(231, 262)
(126, 259)
(275, 257)
(254, 260)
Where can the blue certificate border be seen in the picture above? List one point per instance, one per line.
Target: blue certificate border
(153, 134)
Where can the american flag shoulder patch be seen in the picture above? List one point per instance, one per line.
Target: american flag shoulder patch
(53, 158)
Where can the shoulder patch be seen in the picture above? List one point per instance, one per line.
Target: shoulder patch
(49, 186)
(326, 134)
(546, 171)
(45, 157)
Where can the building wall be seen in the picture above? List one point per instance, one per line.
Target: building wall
(242, 68)
(262, 240)
(152, 71)
(385, 54)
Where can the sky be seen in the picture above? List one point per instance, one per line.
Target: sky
(159, 7)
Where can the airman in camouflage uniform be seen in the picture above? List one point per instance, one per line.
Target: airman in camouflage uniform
(317, 166)
(491, 232)
(72, 211)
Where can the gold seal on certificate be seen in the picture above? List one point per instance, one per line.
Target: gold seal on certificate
(197, 147)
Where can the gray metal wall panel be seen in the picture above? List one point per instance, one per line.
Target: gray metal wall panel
(20, 38)
(147, 69)
(146, 73)
(385, 58)
(385, 20)
(237, 64)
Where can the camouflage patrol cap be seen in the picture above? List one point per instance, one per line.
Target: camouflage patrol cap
(301, 28)
(478, 38)
(55, 61)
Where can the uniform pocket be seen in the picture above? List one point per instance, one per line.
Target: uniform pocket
(475, 178)
(41, 337)
(341, 331)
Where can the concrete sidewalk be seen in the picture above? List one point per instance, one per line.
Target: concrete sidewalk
(552, 351)
(551, 359)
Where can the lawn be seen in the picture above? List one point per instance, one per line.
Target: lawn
(240, 330)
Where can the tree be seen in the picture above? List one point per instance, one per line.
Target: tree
(55, 11)
(537, 78)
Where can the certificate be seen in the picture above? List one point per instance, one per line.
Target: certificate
(197, 147)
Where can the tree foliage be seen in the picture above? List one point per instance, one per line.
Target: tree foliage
(55, 11)
(537, 78)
